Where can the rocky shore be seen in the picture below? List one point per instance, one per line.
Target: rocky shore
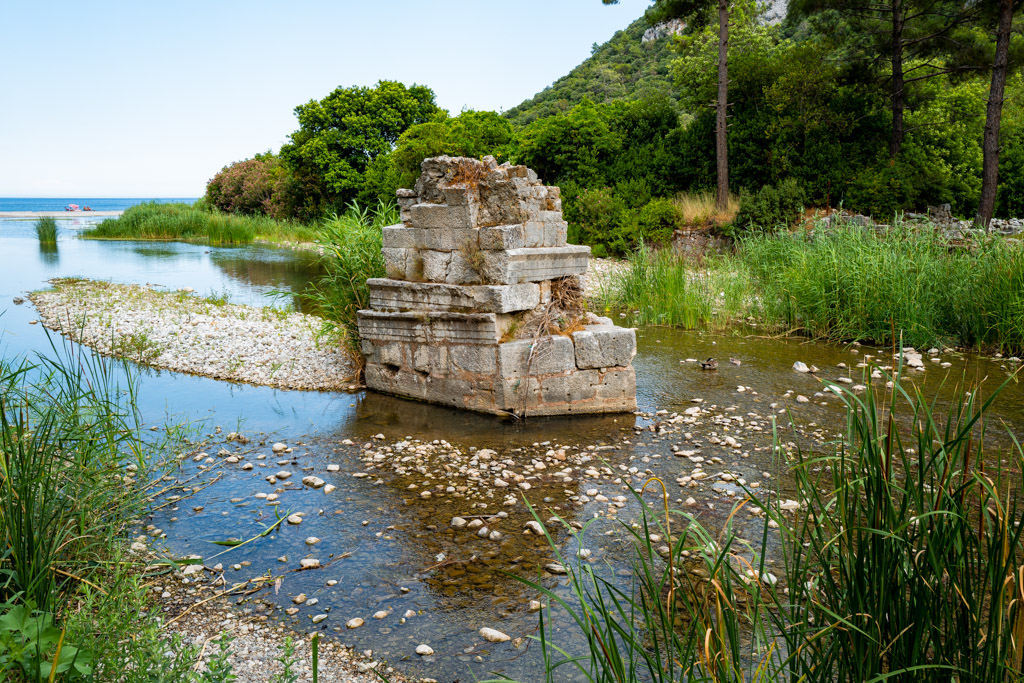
(256, 638)
(180, 331)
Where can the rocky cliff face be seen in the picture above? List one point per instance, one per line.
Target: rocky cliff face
(773, 12)
(663, 30)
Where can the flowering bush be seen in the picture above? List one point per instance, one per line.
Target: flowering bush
(260, 185)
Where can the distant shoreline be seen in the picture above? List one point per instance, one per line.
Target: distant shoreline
(56, 214)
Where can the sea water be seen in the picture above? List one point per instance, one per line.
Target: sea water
(94, 203)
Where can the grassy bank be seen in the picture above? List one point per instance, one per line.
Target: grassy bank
(184, 222)
(74, 477)
(841, 284)
(904, 560)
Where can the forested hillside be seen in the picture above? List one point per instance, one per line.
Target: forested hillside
(624, 68)
(820, 114)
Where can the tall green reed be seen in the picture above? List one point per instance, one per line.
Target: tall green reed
(850, 283)
(664, 287)
(350, 247)
(66, 437)
(46, 230)
(178, 221)
(905, 561)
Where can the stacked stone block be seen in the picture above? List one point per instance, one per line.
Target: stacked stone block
(480, 248)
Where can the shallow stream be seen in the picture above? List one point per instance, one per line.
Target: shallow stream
(390, 548)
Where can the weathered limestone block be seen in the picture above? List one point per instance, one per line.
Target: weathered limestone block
(398, 237)
(583, 392)
(432, 216)
(501, 237)
(398, 295)
(618, 387)
(406, 198)
(550, 354)
(453, 267)
(473, 358)
(575, 387)
(604, 346)
(474, 394)
(534, 264)
(403, 264)
(431, 328)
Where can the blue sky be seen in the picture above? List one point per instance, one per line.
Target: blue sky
(152, 98)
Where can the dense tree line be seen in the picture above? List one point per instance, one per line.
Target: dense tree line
(876, 105)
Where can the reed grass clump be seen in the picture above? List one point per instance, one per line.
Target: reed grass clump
(664, 287)
(350, 247)
(906, 558)
(849, 283)
(700, 208)
(904, 561)
(75, 474)
(177, 221)
(46, 230)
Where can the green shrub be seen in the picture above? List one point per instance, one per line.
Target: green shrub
(602, 220)
(1010, 197)
(658, 220)
(635, 192)
(770, 208)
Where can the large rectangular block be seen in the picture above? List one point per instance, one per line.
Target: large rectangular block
(473, 358)
(618, 386)
(443, 216)
(429, 327)
(503, 237)
(461, 393)
(399, 237)
(387, 294)
(442, 239)
(604, 346)
(574, 387)
(556, 233)
(403, 264)
(534, 265)
(550, 354)
(453, 267)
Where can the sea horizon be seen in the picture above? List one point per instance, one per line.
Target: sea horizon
(94, 203)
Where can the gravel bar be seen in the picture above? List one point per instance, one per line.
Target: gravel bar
(180, 331)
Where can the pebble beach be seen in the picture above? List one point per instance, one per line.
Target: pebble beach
(180, 331)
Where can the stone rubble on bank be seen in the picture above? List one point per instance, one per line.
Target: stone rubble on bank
(256, 639)
(186, 333)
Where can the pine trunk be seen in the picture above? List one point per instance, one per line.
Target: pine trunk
(721, 126)
(898, 97)
(993, 116)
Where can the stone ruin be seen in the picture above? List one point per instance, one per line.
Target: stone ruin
(482, 307)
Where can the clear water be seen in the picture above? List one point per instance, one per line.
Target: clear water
(390, 562)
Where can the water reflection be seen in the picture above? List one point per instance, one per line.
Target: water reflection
(49, 254)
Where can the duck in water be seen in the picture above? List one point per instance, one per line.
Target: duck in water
(709, 364)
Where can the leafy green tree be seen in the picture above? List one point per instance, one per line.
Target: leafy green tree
(577, 146)
(342, 134)
(470, 134)
(900, 42)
